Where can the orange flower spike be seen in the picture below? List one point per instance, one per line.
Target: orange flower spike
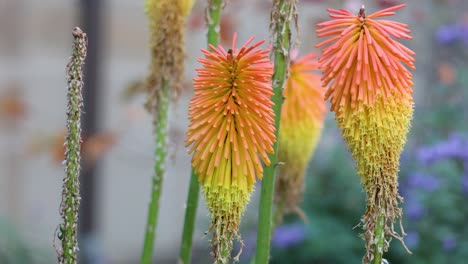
(231, 131)
(369, 86)
(363, 48)
(302, 117)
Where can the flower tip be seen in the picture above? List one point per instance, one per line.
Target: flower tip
(400, 6)
(393, 8)
(362, 11)
(310, 56)
(212, 47)
(234, 40)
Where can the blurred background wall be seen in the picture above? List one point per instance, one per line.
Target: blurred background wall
(35, 44)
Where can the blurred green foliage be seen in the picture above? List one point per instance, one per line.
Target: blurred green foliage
(14, 249)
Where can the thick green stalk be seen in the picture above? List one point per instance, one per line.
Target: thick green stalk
(214, 14)
(160, 130)
(67, 230)
(380, 237)
(280, 25)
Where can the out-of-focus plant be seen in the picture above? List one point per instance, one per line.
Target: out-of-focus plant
(167, 20)
(92, 148)
(435, 194)
(333, 203)
(302, 117)
(15, 249)
(369, 84)
(443, 102)
(12, 104)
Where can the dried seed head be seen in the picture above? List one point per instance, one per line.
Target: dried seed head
(167, 23)
(71, 184)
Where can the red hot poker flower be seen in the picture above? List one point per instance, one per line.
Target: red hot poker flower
(369, 87)
(362, 60)
(231, 131)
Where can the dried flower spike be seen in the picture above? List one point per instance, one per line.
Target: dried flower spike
(167, 23)
(302, 118)
(231, 131)
(370, 92)
(67, 230)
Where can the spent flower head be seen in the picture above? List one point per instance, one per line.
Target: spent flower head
(166, 23)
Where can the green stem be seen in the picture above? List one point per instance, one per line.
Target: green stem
(281, 35)
(189, 221)
(214, 13)
(67, 230)
(380, 236)
(226, 248)
(160, 129)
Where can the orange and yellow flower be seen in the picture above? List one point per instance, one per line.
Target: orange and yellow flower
(302, 117)
(231, 131)
(366, 71)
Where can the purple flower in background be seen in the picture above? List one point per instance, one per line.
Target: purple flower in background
(250, 243)
(426, 182)
(449, 34)
(289, 235)
(413, 207)
(415, 211)
(449, 243)
(412, 239)
(446, 34)
(464, 33)
(454, 147)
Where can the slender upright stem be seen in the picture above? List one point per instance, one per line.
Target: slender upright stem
(160, 130)
(280, 26)
(189, 221)
(380, 237)
(67, 230)
(213, 19)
